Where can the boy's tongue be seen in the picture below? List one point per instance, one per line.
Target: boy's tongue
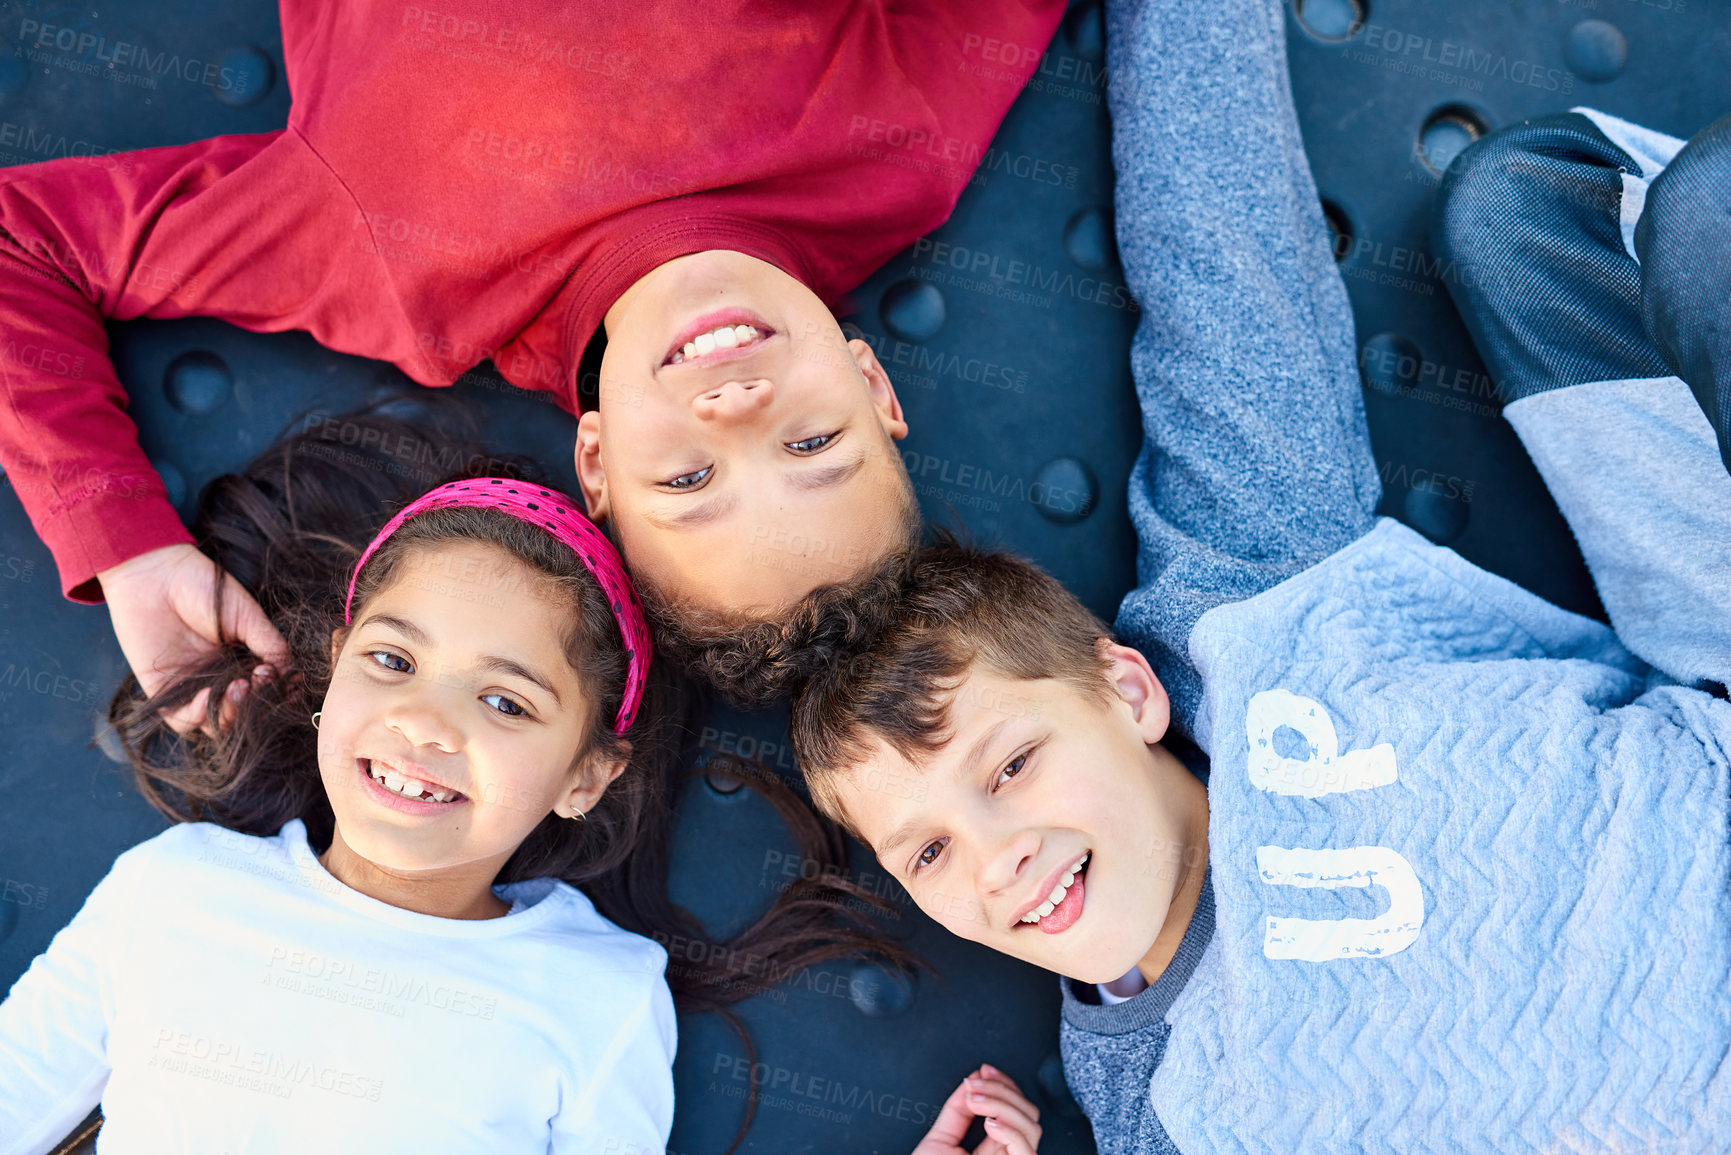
(1068, 911)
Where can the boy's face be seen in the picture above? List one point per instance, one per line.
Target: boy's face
(1035, 778)
(740, 477)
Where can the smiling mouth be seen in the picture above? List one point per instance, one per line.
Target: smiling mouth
(404, 786)
(718, 336)
(1062, 904)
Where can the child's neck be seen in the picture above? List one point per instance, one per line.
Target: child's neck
(1191, 859)
(463, 892)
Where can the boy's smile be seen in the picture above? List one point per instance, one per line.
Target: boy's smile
(1051, 825)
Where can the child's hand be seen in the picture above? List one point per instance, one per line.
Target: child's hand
(160, 603)
(1011, 1121)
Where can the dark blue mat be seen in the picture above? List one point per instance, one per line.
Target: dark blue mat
(1006, 332)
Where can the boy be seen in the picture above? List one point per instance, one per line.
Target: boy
(1458, 877)
(507, 180)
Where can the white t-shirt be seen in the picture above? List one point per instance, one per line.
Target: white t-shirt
(224, 993)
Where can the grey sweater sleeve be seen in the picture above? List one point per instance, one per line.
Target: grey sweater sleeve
(1110, 1051)
(1256, 460)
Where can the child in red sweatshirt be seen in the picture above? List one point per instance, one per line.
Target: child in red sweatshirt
(507, 180)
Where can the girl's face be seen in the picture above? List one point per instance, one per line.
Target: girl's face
(453, 718)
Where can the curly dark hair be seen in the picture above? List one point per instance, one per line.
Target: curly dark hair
(754, 662)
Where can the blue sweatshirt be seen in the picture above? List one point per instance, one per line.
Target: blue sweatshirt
(1468, 878)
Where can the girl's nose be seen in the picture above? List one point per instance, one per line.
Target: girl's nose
(733, 402)
(422, 724)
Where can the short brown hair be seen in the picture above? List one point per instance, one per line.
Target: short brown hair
(753, 662)
(959, 606)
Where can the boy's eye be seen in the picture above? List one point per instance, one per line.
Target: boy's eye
(516, 710)
(930, 854)
(1013, 768)
(812, 444)
(390, 657)
(691, 480)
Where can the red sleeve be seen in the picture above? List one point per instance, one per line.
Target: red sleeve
(250, 229)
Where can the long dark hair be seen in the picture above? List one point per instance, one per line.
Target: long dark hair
(290, 527)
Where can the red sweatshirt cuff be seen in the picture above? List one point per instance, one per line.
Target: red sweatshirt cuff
(106, 529)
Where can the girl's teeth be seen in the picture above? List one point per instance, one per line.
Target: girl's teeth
(690, 349)
(408, 787)
(726, 338)
(705, 343)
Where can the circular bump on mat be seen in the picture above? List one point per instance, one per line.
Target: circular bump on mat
(1330, 19)
(1390, 363)
(1447, 132)
(14, 75)
(197, 382)
(1436, 515)
(107, 740)
(722, 784)
(245, 75)
(1340, 234)
(1085, 30)
(1054, 1089)
(173, 481)
(912, 310)
(1088, 239)
(878, 992)
(1065, 490)
(1595, 50)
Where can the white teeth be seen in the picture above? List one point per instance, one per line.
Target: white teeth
(726, 337)
(407, 787)
(1057, 895)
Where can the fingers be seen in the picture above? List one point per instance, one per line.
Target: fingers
(1011, 1120)
(189, 717)
(245, 622)
(954, 1117)
(1011, 1141)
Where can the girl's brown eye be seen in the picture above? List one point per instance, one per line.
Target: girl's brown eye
(1014, 768)
(388, 655)
(930, 854)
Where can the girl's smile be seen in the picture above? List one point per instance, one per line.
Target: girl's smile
(407, 795)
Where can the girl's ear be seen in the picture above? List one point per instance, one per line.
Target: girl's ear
(337, 637)
(591, 782)
(1138, 688)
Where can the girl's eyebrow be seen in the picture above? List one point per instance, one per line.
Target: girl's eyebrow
(491, 662)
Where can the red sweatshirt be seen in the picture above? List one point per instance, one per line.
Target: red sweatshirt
(464, 181)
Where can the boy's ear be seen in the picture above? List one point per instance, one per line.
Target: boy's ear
(591, 473)
(1138, 688)
(883, 394)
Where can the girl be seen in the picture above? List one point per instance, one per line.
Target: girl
(367, 933)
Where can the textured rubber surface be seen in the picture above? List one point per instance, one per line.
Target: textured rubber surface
(1006, 332)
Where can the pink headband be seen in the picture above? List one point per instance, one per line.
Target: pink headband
(559, 516)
